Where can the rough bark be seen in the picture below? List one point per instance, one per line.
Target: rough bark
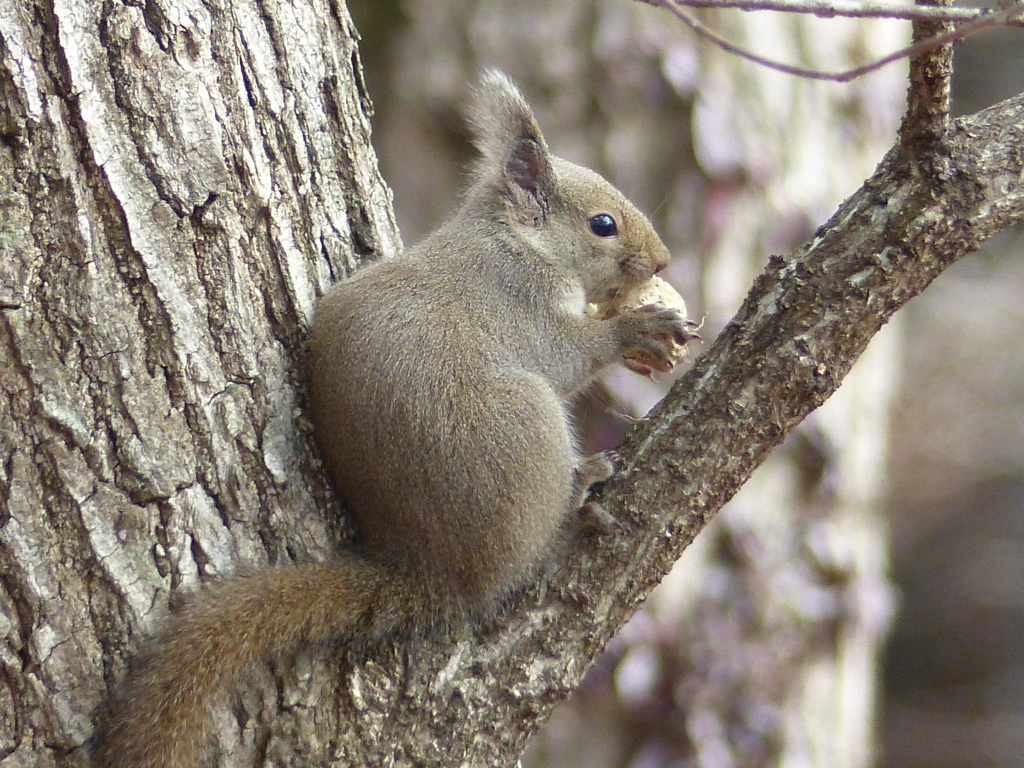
(179, 182)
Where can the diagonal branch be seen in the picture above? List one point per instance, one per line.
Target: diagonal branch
(803, 325)
(805, 321)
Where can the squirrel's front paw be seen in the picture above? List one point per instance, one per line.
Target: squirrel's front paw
(654, 337)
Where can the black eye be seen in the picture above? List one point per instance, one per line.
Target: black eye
(603, 225)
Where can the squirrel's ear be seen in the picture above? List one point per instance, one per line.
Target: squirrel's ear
(508, 137)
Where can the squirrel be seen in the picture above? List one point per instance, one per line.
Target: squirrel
(440, 385)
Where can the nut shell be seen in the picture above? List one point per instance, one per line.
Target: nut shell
(653, 291)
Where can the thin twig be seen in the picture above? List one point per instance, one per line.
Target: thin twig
(995, 19)
(877, 9)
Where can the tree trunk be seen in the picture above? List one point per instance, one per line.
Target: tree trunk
(179, 182)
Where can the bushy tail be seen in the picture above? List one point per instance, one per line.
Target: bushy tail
(160, 719)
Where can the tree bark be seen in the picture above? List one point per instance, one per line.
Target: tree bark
(179, 182)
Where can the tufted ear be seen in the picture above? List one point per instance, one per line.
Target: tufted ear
(514, 155)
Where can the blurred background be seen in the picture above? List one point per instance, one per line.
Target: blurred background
(861, 601)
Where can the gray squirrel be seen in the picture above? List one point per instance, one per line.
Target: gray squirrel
(440, 385)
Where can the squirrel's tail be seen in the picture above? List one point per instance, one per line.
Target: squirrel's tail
(160, 718)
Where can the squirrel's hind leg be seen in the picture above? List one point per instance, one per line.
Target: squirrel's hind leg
(590, 515)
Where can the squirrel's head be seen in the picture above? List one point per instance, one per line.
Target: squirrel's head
(584, 222)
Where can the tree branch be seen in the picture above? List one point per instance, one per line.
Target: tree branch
(926, 121)
(880, 9)
(803, 325)
(805, 321)
(1007, 16)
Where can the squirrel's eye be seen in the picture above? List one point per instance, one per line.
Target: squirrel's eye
(603, 225)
